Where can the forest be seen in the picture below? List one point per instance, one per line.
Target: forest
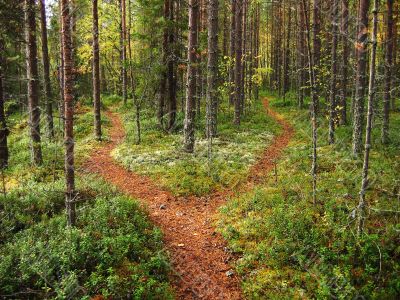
(199, 149)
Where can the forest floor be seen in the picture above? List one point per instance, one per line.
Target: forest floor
(201, 262)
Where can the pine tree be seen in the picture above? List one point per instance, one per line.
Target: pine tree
(96, 72)
(189, 129)
(33, 81)
(69, 112)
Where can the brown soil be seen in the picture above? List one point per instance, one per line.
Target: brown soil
(199, 257)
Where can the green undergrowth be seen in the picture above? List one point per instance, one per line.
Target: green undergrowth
(290, 248)
(114, 250)
(160, 155)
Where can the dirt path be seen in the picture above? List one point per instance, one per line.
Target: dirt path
(198, 254)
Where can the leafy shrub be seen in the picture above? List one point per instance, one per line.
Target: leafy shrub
(114, 251)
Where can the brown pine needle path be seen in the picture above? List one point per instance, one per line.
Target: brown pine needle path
(198, 254)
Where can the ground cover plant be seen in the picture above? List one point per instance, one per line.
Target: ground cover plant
(161, 156)
(291, 248)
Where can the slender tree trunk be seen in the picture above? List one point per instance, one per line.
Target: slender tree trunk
(332, 109)
(316, 46)
(171, 71)
(62, 102)
(301, 58)
(46, 71)
(232, 47)
(371, 95)
(286, 64)
(69, 112)
(212, 66)
(189, 129)
(96, 72)
(361, 51)
(238, 60)
(388, 70)
(3, 124)
(33, 81)
(314, 97)
(344, 62)
(123, 33)
(165, 51)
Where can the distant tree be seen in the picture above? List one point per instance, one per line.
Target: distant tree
(69, 111)
(3, 124)
(333, 87)
(344, 61)
(33, 81)
(238, 60)
(46, 71)
(96, 72)
(189, 126)
(123, 50)
(314, 97)
(212, 68)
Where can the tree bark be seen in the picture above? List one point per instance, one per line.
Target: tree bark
(171, 71)
(212, 66)
(232, 43)
(165, 58)
(344, 62)
(189, 129)
(316, 46)
(33, 81)
(332, 109)
(123, 34)
(96, 72)
(46, 71)
(314, 97)
(3, 124)
(388, 71)
(69, 112)
(361, 51)
(238, 60)
(371, 95)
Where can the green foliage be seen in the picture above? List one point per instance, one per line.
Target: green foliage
(118, 254)
(161, 156)
(291, 248)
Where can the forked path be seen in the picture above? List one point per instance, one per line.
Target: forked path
(200, 260)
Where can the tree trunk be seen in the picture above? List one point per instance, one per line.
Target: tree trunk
(301, 57)
(361, 51)
(165, 52)
(171, 71)
(33, 81)
(317, 47)
(238, 60)
(232, 43)
(332, 109)
(286, 64)
(96, 72)
(314, 97)
(371, 95)
(212, 72)
(189, 137)
(344, 62)
(46, 71)
(388, 71)
(123, 34)
(3, 124)
(69, 112)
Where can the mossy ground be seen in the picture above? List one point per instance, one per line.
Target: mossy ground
(160, 155)
(113, 251)
(291, 248)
